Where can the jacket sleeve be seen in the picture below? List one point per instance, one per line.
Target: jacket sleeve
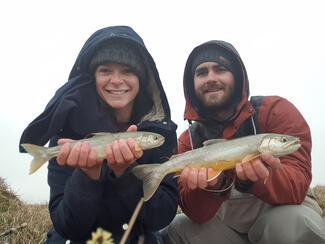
(288, 184)
(199, 205)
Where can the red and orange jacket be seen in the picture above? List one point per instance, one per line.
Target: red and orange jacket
(287, 185)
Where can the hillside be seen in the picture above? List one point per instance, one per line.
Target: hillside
(29, 223)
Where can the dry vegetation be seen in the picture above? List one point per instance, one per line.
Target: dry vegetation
(320, 194)
(26, 223)
(21, 222)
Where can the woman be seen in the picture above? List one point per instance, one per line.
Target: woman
(113, 86)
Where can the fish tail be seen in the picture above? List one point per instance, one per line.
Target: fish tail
(151, 178)
(40, 154)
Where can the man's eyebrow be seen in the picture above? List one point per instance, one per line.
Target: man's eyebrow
(200, 69)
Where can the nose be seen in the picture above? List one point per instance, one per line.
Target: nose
(211, 76)
(116, 78)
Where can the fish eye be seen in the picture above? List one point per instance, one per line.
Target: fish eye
(284, 139)
(155, 138)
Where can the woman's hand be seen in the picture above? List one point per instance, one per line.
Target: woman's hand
(122, 153)
(80, 155)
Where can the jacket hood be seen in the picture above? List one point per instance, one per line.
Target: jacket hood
(77, 105)
(192, 111)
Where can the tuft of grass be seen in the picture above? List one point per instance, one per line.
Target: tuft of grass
(21, 222)
(320, 195)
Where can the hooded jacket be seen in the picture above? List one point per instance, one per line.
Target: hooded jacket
(78, 205)
(287, 185)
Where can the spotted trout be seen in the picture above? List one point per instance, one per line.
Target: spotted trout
(144, 140)
(218, 154)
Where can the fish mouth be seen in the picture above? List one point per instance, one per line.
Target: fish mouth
(293, 145)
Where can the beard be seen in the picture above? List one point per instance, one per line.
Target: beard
(216, 96)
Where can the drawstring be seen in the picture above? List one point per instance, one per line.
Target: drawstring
(253, 123)
(189, 132)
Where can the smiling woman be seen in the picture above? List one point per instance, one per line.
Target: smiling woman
(114, 86)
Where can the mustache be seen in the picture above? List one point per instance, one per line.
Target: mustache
(212, 86)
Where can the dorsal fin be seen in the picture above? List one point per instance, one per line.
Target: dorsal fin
(100, 134)
(213, 141)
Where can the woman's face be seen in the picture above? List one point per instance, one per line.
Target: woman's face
(117, 85)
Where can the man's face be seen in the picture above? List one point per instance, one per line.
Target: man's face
(214, 85)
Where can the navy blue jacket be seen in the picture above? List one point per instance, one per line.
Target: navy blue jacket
(78, 205)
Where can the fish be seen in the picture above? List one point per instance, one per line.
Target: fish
(144, 140)
(218, 154)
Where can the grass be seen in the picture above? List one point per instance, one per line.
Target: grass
(21, 222)
(29, 223)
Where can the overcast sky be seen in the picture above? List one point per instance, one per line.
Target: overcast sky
(282, 44)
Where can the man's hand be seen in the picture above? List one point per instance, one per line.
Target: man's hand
(122, 153)
(257, 169)
(81, 155)
(194, 178)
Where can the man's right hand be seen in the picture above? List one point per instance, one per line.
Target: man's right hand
(194, 178)
(80, 155)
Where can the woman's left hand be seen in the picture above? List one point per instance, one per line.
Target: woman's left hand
(122, 153)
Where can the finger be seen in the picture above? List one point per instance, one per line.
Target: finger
(63, 154)
(84, 154)
(132, 128)
(192, 179)
(64, 140)
(117, 152)
(250, 172)
(109, 155)
(137, 153)
(271, 161)
(183, 176)
(74, 155)
(240, 172)
(202, 178)
(214, 181)
(92, 158)
(126, 152)
(260, 169)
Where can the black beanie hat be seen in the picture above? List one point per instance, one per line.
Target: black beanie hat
(119, 53)
(214, 53)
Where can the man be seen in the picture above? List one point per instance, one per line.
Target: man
(262, 201)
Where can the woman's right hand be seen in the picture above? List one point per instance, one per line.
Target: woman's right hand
(80, 155)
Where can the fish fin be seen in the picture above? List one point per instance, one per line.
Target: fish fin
(100, 134)
(40, 154)
(213, 174)
(175, 156)
(140, 171)
(265, 180)
(249, 157)
(137, 148)
(151, 179)
(213, 141)
(177, 174)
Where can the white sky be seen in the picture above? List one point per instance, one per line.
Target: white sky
(280, 42)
